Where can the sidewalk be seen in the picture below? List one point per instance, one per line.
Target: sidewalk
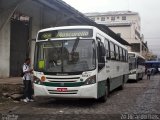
(11, 87)
(12, 80)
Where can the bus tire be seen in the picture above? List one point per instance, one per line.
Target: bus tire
(122, 86)
(104, 98)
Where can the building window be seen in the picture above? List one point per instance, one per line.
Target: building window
(135, 47)
(117, 17)
(112, 18)
(123, 17)
(102, 18)
(107, 17)
(97, 18)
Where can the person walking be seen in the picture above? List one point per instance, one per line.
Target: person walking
(148, 74)
(27, 71)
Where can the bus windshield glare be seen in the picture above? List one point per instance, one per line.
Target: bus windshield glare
(65, 56)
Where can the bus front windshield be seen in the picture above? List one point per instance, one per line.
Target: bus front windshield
(65, 56)
(132, 63)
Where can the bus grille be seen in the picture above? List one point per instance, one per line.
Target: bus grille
(71, 79)
(66, 92)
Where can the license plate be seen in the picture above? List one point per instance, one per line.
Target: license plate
(61, 89)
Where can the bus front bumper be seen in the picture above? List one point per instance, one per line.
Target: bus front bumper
(85, 91)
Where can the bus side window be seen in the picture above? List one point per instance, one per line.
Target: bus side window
(124, 55)
(112, 51)
(117, 52)
(121, 54)
(137, 62)
(107, 49)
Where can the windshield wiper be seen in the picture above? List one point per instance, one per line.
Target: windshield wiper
(75, 45)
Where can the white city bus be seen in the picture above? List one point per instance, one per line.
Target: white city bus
(136, 66)
(78, 62)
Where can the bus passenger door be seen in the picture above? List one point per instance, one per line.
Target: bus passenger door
(101, 56)
(101, 80)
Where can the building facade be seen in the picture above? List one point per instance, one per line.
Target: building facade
(127, 25)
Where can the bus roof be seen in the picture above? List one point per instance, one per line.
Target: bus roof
(67, 27)
(136, 54)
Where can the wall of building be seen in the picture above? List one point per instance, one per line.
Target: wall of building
(124, 31)
(7, 8)
(4, 46)
(131, 19)
(35, 13)
(27, 8)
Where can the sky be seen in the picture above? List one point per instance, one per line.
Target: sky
(149, 11)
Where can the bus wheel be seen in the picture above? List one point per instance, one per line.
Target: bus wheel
(106, 95)
(122, 86)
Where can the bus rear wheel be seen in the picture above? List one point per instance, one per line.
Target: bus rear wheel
(122, 86)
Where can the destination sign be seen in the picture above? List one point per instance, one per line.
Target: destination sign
(65, 33)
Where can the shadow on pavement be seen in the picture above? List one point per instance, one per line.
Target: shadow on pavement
(81, 103)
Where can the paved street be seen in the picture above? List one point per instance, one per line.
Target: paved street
(136, 98)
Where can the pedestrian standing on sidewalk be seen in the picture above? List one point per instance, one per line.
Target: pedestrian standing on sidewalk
(27, 80)
(148, 74)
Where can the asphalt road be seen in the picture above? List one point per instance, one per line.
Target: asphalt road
(136, 101)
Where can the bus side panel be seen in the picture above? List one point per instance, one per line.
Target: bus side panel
(118, 74)
(116, 82)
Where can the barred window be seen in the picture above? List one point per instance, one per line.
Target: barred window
(102, 18)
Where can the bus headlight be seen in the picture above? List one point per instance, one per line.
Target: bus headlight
(90, 80)
(43, 78)
(36, 80)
